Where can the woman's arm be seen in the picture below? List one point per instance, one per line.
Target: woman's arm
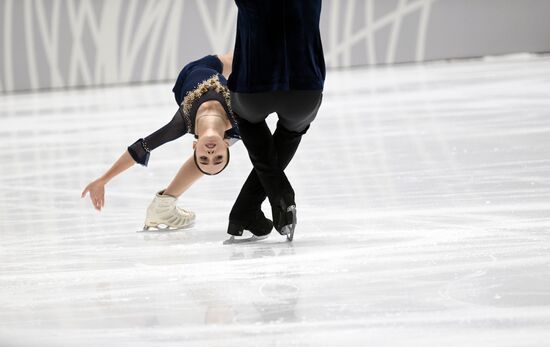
(186, 176)
(137, 152)
(227, 62)
(141, 149)
(97, 188)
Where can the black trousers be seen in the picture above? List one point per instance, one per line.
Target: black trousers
(270, 153)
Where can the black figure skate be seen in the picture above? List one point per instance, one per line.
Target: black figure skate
(260, 228)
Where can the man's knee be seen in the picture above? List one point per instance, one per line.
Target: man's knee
(300, 126)
(297, 130)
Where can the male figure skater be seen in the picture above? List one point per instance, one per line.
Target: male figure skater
(278, 66)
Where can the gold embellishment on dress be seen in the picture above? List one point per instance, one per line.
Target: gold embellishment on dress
(192, 95)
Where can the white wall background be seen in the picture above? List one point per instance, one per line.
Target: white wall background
(68, 43)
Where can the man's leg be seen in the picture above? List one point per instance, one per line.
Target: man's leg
(260, 145)
(296, 110)
(246, 211)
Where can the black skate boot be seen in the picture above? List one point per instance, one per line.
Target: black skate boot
(284, 216)
(260, 228)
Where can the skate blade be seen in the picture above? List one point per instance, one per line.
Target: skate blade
(164, 230)
(253, 238)
(288, 230)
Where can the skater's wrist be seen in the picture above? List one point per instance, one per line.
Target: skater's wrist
(103, 180)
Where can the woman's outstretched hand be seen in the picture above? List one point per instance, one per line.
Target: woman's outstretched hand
(97, 193)
(97, 187)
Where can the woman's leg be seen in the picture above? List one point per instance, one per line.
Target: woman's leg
(163, 210)
(186, 176)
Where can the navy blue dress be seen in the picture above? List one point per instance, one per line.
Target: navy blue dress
(278, 46)
(196, 72)
(198, 82)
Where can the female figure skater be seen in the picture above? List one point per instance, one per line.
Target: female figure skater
(205, 111)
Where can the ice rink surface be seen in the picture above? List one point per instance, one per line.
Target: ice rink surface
(423, 199)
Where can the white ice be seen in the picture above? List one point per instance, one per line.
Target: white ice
(423, 198)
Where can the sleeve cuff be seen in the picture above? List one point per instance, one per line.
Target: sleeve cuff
(140, 158)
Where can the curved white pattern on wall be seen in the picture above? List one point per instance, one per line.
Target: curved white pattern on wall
(55, 43)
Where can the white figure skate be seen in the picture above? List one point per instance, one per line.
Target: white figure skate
(164, 215)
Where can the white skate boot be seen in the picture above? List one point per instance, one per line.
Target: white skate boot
(164, 215)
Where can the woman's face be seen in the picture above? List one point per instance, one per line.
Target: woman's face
(211, 153)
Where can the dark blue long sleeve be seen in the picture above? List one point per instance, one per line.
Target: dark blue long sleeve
(141, 149)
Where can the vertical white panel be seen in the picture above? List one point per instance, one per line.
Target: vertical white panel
(107, 59)
(398, 16)
(422, 30)
(333, 39)
(78, 60)
(371, 48)
(218, 23)
(168, 63)
(30, 44)
(154, 41)
(348, 29)
(8, 62)
(50, 39)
